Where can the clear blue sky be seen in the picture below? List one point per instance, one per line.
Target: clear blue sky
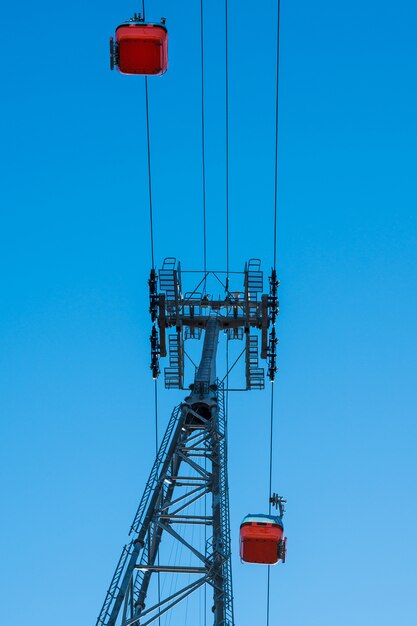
(75, 390)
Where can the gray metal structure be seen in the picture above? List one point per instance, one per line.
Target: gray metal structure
(240, 314)
(191, 464)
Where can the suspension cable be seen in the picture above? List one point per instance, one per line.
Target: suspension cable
(227, 135)
(275, 241)
(275, 233)
(149, 170)
(203, 138)
(271, 449)
(276, 134)
(156, 416)
(148, 138)
(271, 464)
(226, 16)
(156, 455)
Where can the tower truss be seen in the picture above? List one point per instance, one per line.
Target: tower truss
(191, 464)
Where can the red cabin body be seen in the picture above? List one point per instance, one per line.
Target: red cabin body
(142, 49)
(260, 539)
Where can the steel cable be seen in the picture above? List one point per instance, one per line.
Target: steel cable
(203, 139)
(148, 140)
(156, 454)
(227, 133)
(149, 172)
(276, 134)
(275, 263)
(271, 460)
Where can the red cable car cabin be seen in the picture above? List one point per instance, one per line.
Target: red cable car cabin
(261, 539)
(140, 49)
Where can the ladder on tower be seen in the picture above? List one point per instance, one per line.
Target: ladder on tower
(173, 375)
(169, 281)
(255, 375)
(254, 279)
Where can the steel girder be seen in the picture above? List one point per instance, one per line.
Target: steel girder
(191, 465)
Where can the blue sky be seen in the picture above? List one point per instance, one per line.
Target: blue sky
(76, 396)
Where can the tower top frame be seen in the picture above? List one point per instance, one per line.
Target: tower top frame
(247, 314)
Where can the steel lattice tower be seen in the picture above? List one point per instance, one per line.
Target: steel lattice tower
(191, 463)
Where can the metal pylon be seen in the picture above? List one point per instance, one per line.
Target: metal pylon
(191, 465)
